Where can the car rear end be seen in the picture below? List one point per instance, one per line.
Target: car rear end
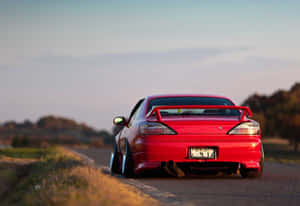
(191, 142)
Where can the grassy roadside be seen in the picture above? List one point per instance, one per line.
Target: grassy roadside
(56, 176)
(277, 150)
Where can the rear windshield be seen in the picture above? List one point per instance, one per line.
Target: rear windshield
(193, 101)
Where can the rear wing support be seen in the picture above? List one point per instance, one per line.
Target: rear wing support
(245, 110)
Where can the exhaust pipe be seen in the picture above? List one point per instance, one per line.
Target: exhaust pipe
(238, 171)
(172, 169)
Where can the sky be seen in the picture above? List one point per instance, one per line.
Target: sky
(92, 60)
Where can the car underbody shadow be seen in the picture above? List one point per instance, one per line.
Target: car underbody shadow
(163, 174)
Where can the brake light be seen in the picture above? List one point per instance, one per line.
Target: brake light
(246, 128)
(155, 128)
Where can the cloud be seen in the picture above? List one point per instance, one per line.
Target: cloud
(270, 62)
(141, 58)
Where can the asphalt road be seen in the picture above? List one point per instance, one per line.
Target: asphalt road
(279, 185)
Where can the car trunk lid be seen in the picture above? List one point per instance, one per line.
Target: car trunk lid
(204, 125)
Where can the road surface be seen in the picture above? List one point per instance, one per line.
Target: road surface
(280, 185)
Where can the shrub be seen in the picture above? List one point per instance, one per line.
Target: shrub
(19, 141)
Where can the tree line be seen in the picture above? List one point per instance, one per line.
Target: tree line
(52, 130)
(278, 113)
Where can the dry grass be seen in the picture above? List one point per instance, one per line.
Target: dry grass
(8, 177)
(84, 185)
(275, 140)
(97, 143)
(11, 169)
(61, 178)
(81, 146)
(5, 159)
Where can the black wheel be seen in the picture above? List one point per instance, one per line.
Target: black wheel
(114, 161)
(253, 173)
(262, 160)
(250, 173)
(127, 162)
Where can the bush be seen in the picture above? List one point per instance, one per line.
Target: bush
(18, 141)
(34, 141)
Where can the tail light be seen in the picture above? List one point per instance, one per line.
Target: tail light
(246, 128)
(155, 128)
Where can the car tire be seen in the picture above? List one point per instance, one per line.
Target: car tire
(253, 173)
(114, 161)
(127, 163)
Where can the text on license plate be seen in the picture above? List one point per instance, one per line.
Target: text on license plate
(203, 153)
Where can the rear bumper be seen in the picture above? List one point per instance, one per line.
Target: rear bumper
(198, 165)
(151, 151)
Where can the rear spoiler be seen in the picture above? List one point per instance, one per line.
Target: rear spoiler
(156, 110)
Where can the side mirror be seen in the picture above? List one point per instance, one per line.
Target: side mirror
(120, 121)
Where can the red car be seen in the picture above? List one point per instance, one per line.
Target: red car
(187, 133)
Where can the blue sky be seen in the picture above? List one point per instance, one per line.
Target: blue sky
(92, 60)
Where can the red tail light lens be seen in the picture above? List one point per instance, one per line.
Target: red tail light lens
(246, 128)
(155, 128)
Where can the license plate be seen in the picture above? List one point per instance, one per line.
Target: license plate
(203, 153)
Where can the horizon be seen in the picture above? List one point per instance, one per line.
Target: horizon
(92, 61)
(110, 130)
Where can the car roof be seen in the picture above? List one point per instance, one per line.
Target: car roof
(185, 95)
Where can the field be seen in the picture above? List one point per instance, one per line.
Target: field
(56, 176)
(279, 150)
